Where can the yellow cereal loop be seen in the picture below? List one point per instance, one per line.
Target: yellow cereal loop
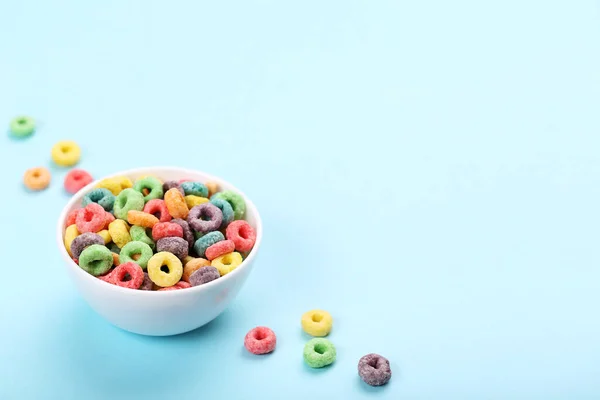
(193, 201)
(115, 185)
(124, 182)
(317, 322)
(164, 269)
(227, 262)
(110, 184)
(70, 234)
(119, 232)
(66, 153)
(105, 236)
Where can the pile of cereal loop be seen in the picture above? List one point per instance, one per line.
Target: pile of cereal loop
(319, 352)
(152, 235)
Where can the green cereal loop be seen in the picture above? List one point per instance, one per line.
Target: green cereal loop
(319, 353)
(96, 259)
(152, 184)
(133, 248)
(22, 126)
(139, 234)
(237, 202)
(127, 200)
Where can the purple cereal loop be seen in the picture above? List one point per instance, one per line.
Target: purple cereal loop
(204, 275)
(205, 218)
(84, 240)
(172, 184)
(146, 283)
(187, 232)
(374, 369)
(174, 245)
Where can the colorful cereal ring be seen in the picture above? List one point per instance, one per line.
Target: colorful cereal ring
(319, 353)
(164, 269)
(66, 153)
(205, 218)
(220, 248)
(176, 204)
(227, 262)
(128, 200)
(92, 218)
(166, 229)
(141, 218)
(22, 126)
(37, 178)
(152, 185)
(71, 233)
(131, 269)
(374, 369)
(119, 232)
(174, 245)
(226, 209)
(102, 196)
(96, 259)
(142, 234)
(317, 322)
(158, 208)
(84, 240)
(192, 266)
(237, 202)
(260, 340)
(76, 179)
(136, 248)
(206, 241)
(242, 234)
(195, 189)
(203, 275)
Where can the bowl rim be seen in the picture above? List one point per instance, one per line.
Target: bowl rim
(76, 198)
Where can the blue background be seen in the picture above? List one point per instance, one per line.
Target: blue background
(428, 172)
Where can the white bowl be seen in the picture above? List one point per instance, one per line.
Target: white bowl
(160, 313)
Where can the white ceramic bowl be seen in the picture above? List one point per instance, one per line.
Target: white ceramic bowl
(160, 313)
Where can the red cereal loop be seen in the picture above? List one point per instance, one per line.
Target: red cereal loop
(109, 218)
(77, 179)
(166, 229)
(72, 216)
(177, 286)
(242, 234)
(135, 272)
(219, 248)
(108, 277)
(158, 208)
(260, 340)
(166, 289)
(92, 218)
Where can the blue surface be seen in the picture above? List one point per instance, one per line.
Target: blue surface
(427, 171)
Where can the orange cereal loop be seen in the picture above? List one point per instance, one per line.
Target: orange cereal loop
(116, 261)
(141, 218)
(187, 259)
(212, 188)
(176, 204)
(37, 178)
(192, 266)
